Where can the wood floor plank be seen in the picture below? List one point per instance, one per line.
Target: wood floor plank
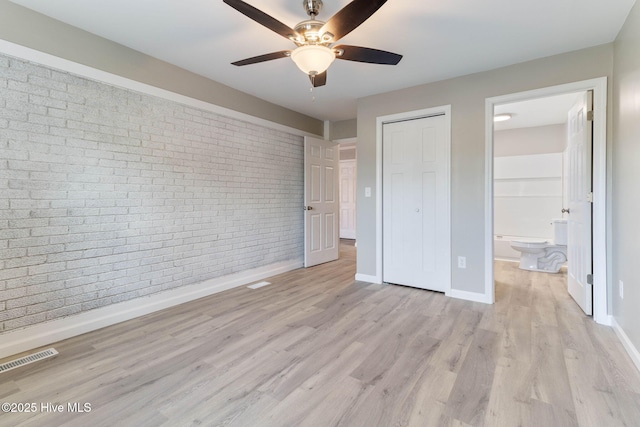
(296, 406)
(8, 388)
(615, 364)
(430, 396)
(510, 399)
(460, 328)
(471, 392)
(387, 350)
(388, 400)
(307, 365)
(596, 400)
(545, 414)
(574, 333)
(550, 377)
(246, 411)
(337, 403)
(516, 336)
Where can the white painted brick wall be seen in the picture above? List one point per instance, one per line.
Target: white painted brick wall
(108, 195)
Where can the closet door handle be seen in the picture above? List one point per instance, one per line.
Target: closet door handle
(565, 210)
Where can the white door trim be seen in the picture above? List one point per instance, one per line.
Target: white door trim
(446, 110)
(599, 87)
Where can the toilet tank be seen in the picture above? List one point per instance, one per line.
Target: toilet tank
(559, 231)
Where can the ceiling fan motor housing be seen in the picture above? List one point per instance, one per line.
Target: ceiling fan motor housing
(312, 7)
(310, 31)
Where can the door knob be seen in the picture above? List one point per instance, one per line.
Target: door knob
(307, 208)
(565, 210)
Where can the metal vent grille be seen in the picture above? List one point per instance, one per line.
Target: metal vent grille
(28, 359)
(258, 285)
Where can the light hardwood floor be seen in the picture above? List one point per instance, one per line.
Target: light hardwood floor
(315, 348)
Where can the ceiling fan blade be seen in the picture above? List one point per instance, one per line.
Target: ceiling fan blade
(350, 17)
(366, 54)
(319, 79)
(263, 58)
(262, 18)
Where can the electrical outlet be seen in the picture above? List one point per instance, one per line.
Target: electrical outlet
(462, 262)
(621, 288)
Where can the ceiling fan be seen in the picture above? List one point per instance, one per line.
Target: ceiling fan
(315, 39)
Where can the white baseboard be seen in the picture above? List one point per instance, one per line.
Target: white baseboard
(505, 259)
(469, 296)
(606, 321)
(31, 337)
(368, 278)
(626, 342)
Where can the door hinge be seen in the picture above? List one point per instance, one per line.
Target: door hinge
(590, 197)
(589, 279)
(590, 116)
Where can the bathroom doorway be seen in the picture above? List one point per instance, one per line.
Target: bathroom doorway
(530, 185)
(528, 182)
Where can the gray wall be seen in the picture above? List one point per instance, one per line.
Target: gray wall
(109, 195)
(343, 129)
(534, 140)
(27, 28)
(626, 177)
(467, 96)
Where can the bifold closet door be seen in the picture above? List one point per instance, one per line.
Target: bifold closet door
(415, 203)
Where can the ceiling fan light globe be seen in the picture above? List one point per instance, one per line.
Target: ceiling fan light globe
(313, 59)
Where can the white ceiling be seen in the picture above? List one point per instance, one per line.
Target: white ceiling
(552, 110)
(439, 40)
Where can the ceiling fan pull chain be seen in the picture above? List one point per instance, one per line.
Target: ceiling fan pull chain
(313, 83)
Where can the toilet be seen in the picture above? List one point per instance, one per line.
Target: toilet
(542, 255)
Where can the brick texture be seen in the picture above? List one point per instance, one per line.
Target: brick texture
(109, 195)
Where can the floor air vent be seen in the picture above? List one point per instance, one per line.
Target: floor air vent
(28, 359)
(258, 285)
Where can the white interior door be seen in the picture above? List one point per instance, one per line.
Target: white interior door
(579, 250)
(347, 199)
(415, 185)
(321, 222)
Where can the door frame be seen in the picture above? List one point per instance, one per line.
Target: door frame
(411, 115)
(599, 176)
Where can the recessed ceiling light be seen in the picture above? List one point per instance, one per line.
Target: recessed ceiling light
(501, 117)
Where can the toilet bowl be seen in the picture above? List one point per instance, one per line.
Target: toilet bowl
(543, 255)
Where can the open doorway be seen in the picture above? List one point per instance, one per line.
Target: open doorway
(598, 181)
(348, 190)
(532, 179)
